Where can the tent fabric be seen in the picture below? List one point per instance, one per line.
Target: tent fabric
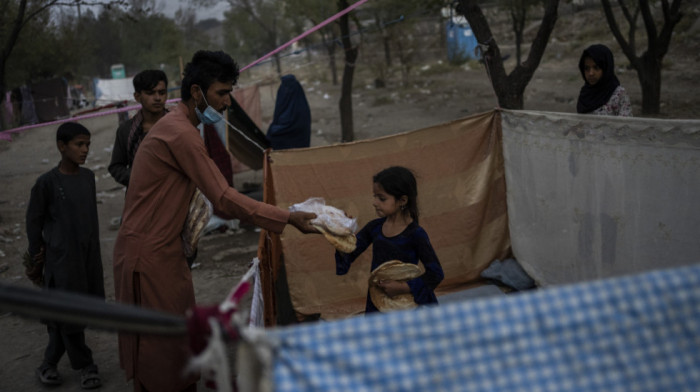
(639, 333)
(248, 98)
(246, 142)
(462, 199)
(596, 196)
(51, 99)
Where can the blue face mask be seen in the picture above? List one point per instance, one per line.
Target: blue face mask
(210, 115)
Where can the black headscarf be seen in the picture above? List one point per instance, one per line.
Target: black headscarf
(592, 97)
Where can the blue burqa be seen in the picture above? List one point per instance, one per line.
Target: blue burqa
(291, 124)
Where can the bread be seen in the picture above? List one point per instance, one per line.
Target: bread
(344, 243)
(197, 218)
(392, 270)
(333, 220)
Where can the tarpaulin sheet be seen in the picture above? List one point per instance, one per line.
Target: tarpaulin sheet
(51, 99)
(461, 197)
(113, 90)
(246, 142)
(598, 196)
(634, 333)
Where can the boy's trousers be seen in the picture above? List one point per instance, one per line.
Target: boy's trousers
(67, 339)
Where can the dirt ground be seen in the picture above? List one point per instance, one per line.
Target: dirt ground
(433, 93)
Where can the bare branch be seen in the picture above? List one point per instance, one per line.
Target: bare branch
(539, 44)
(628, 49)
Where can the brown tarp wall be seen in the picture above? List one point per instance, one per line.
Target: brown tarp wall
(462, 202)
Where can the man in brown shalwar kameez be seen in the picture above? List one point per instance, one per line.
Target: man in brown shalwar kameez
(149, 264)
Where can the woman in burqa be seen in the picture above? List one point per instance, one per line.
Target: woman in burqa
(602, 93)
(291, 124)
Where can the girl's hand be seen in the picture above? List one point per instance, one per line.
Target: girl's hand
(393, 288)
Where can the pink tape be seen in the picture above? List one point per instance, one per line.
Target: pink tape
(7, 135)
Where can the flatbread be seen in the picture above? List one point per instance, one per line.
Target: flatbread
(333, 220)
(392, 270)
(344, 243)
(197, 219)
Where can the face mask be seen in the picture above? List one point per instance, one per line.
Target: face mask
(210, 115)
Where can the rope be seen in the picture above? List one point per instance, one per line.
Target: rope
(306, 33)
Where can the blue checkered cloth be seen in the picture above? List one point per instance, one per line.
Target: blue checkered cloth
(637, 333)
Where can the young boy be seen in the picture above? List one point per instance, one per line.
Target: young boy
(151, 91)
(62, 231)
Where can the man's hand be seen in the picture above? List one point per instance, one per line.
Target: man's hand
(301, 220)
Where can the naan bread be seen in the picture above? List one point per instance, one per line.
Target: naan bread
(392, 270)
(197, 219)
(344, 243)
(333, 220)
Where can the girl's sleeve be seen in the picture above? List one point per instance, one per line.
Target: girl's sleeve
(344, 260)
(423, 288)
(625, 105)
(36, 216)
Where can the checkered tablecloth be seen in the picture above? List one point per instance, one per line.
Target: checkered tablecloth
(637, 333)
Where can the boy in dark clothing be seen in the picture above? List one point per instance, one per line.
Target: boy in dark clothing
(63, 235)
(151, 91)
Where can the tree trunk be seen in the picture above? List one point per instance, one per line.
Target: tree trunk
(648, 65)
(334, 68)
(386, 41)
(345, 104)
(649, 74)
(9, 45)
(330, 49)
(509, 89)
(278, 64)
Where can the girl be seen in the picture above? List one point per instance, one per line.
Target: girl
(396, 235)
(601, 94)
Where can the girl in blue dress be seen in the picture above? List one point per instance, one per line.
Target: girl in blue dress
(396, 235)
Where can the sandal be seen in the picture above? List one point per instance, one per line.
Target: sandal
(48, 375)
(90, 378)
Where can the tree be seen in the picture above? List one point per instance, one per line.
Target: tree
(18, 14)
(509, 88)
(255, 27)
(351, 52)
(518, 16)
(316, 11)
(649, 64)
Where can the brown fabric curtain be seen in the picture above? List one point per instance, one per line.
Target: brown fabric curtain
(461, 196)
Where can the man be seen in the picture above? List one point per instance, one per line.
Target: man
(149, 263)
(151, 91)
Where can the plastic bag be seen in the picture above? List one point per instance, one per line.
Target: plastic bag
(330, 218)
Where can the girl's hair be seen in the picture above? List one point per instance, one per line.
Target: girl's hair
(67, 131)
(399, 181)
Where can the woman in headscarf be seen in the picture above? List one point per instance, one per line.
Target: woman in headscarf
(602, 93)
(291, 123)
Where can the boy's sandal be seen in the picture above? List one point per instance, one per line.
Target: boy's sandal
(48, 375)
(90, 378)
